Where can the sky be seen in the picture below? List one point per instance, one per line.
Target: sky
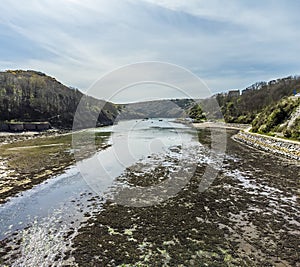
(227, 44)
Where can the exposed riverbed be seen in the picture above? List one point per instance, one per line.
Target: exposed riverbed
(249, 216)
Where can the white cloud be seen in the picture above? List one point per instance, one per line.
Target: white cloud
(227, 43)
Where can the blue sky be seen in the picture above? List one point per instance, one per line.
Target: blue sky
(228, 44)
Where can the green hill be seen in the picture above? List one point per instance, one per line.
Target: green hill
(34, 96)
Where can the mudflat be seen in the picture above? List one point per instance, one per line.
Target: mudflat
(247, 217)
(29, 159)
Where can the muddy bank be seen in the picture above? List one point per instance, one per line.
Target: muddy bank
(249, 216)
(28, 159)
(271, 145)
(10, 137)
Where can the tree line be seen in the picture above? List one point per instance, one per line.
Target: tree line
(34, 96)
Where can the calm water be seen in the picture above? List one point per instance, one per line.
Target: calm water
(67, 195)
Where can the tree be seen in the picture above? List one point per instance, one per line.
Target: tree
(196, 113)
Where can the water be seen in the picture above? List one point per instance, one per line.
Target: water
(133, 141)
(251, 209)
(67, 195)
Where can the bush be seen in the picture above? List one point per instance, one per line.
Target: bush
(263, 128)
(196, 113)
(287, 133)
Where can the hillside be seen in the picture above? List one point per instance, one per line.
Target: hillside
(243, 108)
(236, 107)
(34, 96)
(173, 108)
(282, 119)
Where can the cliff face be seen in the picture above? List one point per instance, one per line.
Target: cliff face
(34, 96)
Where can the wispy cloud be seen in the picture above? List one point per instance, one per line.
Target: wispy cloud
(229, 44)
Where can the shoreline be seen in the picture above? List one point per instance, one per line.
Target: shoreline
(223, 125)
(29, 158)
(196, 228)
(27, 179)
(281, 147)
(15, 180)
(11, 137)
(284, 148)
(8, 189)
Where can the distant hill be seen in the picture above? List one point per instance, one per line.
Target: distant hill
(34, 96)
(235, 106)
(173, 108)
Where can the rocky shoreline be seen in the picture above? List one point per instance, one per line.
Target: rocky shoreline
(278, 147)
(248, 217)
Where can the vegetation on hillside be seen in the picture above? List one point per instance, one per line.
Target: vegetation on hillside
(243, 108)
(277, 118)
(34, 96)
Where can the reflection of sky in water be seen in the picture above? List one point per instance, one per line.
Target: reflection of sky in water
(132, 141)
